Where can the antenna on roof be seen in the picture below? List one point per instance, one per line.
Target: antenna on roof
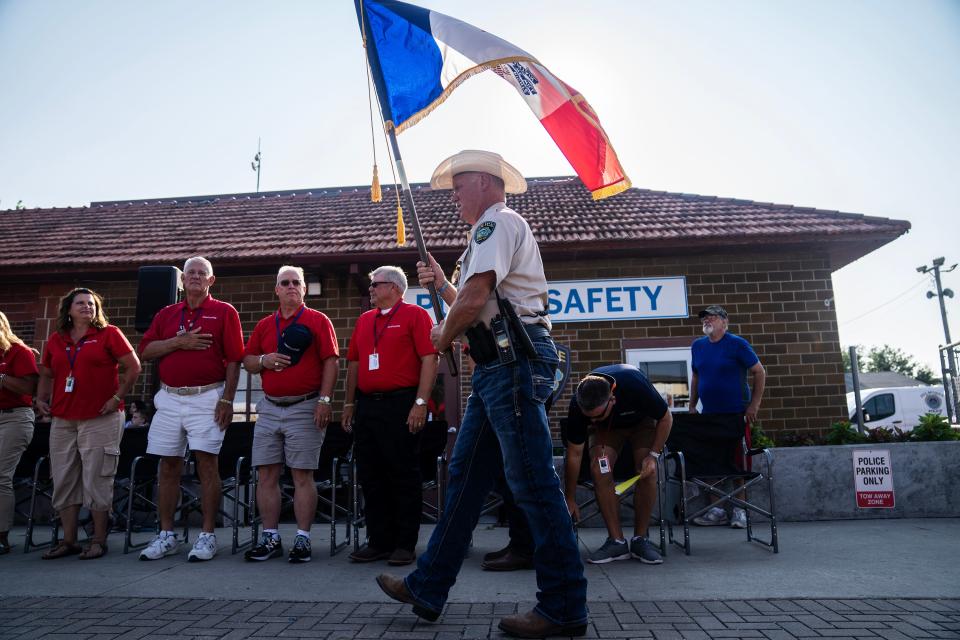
(255, 165)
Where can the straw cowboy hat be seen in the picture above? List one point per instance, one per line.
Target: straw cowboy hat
(481, 161)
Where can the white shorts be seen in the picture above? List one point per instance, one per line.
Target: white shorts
(183, 420)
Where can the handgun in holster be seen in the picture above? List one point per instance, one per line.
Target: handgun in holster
(507, 311)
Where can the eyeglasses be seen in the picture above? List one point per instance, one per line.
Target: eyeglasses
(287, 283)
(600, 416)
(376, 283)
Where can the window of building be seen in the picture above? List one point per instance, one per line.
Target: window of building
(249, 393)
(668, 369)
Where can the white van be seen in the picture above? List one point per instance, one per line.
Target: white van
(899, 407)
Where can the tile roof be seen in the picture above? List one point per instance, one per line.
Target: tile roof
(336, 224)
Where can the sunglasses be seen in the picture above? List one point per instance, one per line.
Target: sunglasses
(287, 283)
(376, 283)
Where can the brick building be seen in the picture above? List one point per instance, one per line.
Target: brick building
(627, 274)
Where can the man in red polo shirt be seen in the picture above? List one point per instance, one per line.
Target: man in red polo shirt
(199, 345)
(391, 370)
(295, 352)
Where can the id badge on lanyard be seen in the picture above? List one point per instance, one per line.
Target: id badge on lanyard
(70, 382)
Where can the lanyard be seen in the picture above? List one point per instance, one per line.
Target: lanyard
(376, 335)
(72, 356)
(295, 318)
(193, 321)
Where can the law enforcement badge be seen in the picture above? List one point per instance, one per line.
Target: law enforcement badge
(484, 231)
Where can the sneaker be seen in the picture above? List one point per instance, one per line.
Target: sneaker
(713, 518)
(610, 551)
(301, 550)
(739, 519)
(204, 548)
(269, 547)
(161, 546)
(645, 551)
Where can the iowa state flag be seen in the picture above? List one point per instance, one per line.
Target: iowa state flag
(418, 57)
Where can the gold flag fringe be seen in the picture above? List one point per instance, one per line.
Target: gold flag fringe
(376, 195)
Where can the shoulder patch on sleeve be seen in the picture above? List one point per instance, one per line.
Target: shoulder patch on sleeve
(484, 231)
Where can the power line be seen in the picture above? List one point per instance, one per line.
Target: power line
(888, 302)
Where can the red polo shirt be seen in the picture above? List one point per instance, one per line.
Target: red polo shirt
(402, 341)
(183, 368)
(95, 371)
(307, 375)
(17, 361)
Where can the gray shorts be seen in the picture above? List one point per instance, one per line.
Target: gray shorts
(287, 435)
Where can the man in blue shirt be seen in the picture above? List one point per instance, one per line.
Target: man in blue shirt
(614, 406)
(721, 364)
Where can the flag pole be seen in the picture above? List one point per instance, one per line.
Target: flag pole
(418, 237)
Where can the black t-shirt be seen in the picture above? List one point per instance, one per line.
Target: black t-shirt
(637, 400)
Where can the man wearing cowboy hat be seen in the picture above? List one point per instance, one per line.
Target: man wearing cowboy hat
(512, 378)
(391, 368)
(295, 352)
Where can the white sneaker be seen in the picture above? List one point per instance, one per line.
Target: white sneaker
(161, 546)
(739, 519)
(715, 517)
(204, 548)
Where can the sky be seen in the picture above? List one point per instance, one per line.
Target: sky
(846, 105)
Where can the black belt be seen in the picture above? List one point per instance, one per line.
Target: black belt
(290, 403)
(483, 349)
(12, 409)
(384, 395)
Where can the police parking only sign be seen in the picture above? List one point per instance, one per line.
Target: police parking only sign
(873, 478)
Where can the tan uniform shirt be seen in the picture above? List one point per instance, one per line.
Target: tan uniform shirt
(501, 241)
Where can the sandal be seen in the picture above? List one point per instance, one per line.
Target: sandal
(61, 550)
(90, 554)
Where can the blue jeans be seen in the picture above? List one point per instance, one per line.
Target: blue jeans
(507, 406)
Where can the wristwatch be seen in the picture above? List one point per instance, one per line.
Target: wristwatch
(323, 400)
(654, 455)
(420, 402)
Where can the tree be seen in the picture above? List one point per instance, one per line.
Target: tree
(887, 358)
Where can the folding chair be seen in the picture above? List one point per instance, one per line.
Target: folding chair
(237, 482)
(33, 475)
(626, 477)
(332, 477)
(709, 451)
(433, 467)
(133, 479)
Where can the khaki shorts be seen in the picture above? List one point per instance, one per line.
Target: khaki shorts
(16, 432)
(287, 435)
(640, 436)
(83, 461)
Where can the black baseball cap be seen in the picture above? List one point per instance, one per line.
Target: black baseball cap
(294, 342)
(713, 310)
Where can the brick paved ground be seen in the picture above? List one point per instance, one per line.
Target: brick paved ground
(104, 618)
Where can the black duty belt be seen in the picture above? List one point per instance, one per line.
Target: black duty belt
(292, 401)
(483, 346)
(385, 395)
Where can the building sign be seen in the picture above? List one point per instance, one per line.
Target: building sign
(873, 478)
(585, 300)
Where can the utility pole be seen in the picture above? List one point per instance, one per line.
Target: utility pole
(948, 364)
(255, 165)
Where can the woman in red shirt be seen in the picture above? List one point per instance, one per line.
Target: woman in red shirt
(81, 388)
(18, 383)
